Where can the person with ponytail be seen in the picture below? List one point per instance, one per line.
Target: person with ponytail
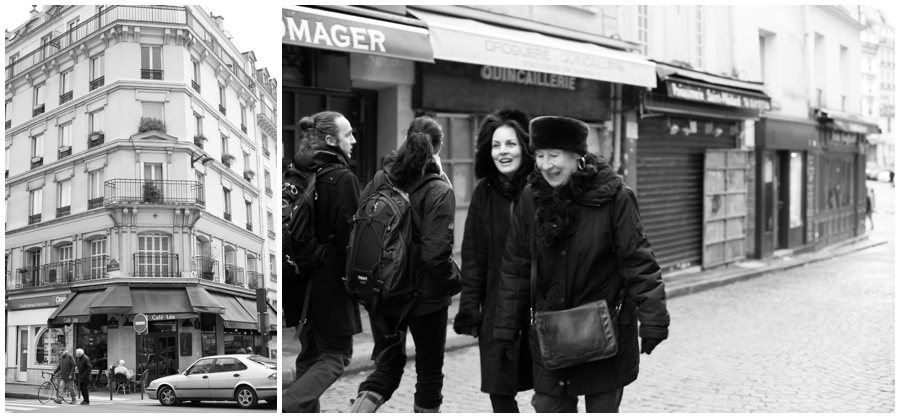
(412, 169)
(503, 162)
(333, 317)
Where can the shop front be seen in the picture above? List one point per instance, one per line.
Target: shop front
(32, 346)
(694, 167)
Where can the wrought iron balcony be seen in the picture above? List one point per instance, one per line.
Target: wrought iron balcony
(234, 275)
(271, 234)
(156, 265)
(195, 86)
(243, 128)
(227, 216)
(64, 153)
(29, 277)
(254, 280)
(95, 203)
(65, 97)
(250, 227)
(60, 272)
(222, 109)
(151, 74)
(37, 162)
(37, 110)
(91, 268)
(63, 211)
(98, 82)
(95, 140)
(266, 152)
(207, 268)
(33, 219)
(165, 192)
(8, 124)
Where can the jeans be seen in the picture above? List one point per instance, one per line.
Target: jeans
(85, 390)
(67, 384)
(504, 404)
(321, 362)
(598, 402)
(429, 333)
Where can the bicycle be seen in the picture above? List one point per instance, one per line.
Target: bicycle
(48, 388)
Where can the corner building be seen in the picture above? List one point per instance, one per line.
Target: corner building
(172, 220)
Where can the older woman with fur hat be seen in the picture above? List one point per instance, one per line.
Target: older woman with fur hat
(503, 162)
(580, 224)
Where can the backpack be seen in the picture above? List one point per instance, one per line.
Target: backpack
(302, 253)
(381, 259)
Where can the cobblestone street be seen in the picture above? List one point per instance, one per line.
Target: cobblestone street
(818, 338)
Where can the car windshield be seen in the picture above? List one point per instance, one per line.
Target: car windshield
(267, 362)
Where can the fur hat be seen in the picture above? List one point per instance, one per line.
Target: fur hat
(558, 132)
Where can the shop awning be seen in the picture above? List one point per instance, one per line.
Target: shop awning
(323, 29)
(114, 300)
(470, 41)
(250, 306)
(76, 309)
(681, 83)
(273, 319)
(161, 304)
(847, 122)
(203, 302)
(29, 316)
(235, 316)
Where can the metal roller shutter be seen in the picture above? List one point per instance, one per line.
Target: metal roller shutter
(670, 190)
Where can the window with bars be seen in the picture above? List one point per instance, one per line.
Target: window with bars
(151, 62)
(153, 256)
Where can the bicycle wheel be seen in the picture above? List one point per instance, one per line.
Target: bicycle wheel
(45, 392)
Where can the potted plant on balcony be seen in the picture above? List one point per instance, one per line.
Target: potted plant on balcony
(151, 192)
(227, 159)
(249, 174)
(207, 264)
(199, 139)
(151, 124)
(95, 135)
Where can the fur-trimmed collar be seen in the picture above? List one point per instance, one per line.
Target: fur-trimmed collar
(557, 215)
(509, 189)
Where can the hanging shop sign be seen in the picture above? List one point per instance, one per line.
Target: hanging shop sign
(340, 32)
(37, 302)
(528, 78)
(705, 94)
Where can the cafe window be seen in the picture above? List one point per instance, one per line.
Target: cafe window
(238, 339)
(92, 341)
(458, 153)
(48, 346)
(208, 334)
(835, 182)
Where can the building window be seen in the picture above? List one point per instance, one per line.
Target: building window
(246, 161)
(34, 206)
(65, 136)
(249, 209)
(97, 72)
(95, 189)
(227, 196)
(65, 87)
(72, 35)
(698, 36)
(243, 119)
(153, 172)
(93, 342)
(198, 125)
(195, 81)
(48, 346)
(268, 181)
(153, 258)
(844, 76)
(270, 221)
(96, 121)
(224, 145)
(153, 110)
(643, 26)
(457, 153)
(37, 146)
(7, 108)
(208, 334)
(39, 96)
(151, 63)
(97, 262)
(222, 99)
(273, 273)
(265, 145)
(64, 198)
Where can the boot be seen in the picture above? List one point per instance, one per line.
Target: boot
(367, 402)
(418, 409)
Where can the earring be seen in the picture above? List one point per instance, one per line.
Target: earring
(581, 164)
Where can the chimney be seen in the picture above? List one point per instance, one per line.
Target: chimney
(220, 21)
(34, 11)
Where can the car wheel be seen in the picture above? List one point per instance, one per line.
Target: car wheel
(246, 397)
(167, 396)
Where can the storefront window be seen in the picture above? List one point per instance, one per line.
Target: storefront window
(49, 347)
(835, 182)
(796, 210)
(208, 334)
(93, 342)
(237, 339)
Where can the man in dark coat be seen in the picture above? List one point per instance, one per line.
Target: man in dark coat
(333, 318)
(66, 370)
(589, 243)
(83, 363)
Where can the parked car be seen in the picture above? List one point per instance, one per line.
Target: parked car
(244, 378)
(884, 176)
(878, 173)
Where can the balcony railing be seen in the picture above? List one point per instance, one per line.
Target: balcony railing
(64, 153)
(222, 109)
(227, 216)
(37, 110)
(250, 227)
(151, 74)
(195, 86)
(271, 234)
(65, 97)
(156, 265)
(60, 272)
(254, 280)
(37, 162)
(207, 268)
(166, 192)
(266, 152)
(234, 275)
(91, 268)
(29, 277)
(95, 141)
(33, 219)
(63, 211)
(8, 124)
(98, 82)
(95, 203)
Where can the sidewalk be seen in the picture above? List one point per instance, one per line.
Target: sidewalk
(676, 285)
(26, 391)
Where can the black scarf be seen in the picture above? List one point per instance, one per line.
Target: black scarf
(509, 189)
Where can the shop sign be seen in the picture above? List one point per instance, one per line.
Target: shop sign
(37, 302)
(140, 323)
(528, 78)
(162, 317)
(335, 31)
(76, 319)
(715, 96)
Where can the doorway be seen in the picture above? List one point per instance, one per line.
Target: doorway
(22, 374)
(783, 200)
(157, 353)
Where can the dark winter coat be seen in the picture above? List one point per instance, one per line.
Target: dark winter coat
(576, 265)
(66, 367)
(435, 203)
(487, 225)
(84, 368)
(331, 310)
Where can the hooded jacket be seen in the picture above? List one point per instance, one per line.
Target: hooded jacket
(576, 264)
(331, 310)
(435, 203)
(66, 367)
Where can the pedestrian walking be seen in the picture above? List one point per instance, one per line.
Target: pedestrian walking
(503, 162)
(83, 363)
(870, 197)
(414, 170)
(576, 250)
(66, 372)
(326, 338)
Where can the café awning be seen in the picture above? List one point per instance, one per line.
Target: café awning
(76, 309)
(685, 84)
(234, 316)
(315, 28)
(465, 40)
(847, 122)
(114, 300)
(203, 302)
(161, 304)
(250, 306)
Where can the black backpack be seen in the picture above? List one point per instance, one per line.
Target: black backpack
(381, 259)
(302, 253)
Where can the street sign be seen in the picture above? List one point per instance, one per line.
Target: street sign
(140, 323)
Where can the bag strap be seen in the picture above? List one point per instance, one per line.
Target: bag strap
(305, 305)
